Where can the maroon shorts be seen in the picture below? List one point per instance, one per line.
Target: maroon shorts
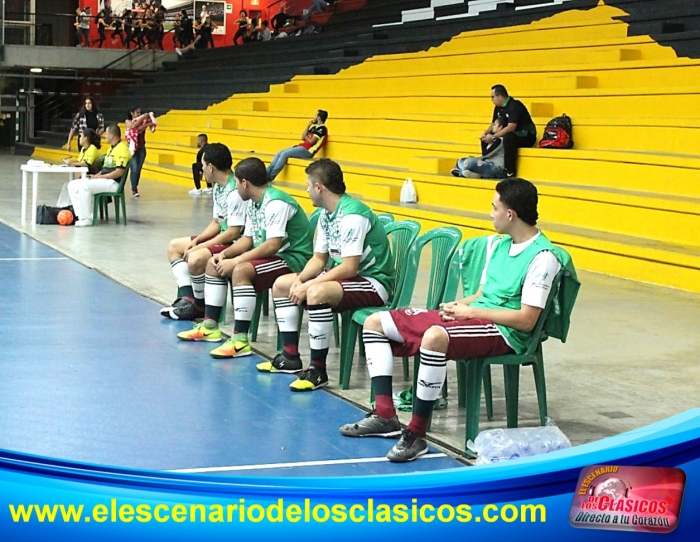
(214, 249)
(358, 293)
(267, 271)
(468, 338)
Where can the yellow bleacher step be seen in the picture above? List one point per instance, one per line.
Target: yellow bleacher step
(614, 55)
(561, 82)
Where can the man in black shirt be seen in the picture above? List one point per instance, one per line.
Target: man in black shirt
(519, 132)
(279, 20)
(198, 171)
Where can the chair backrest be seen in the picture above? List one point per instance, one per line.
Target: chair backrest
(444, 243)
(122, 181)
(385, 218)
(466, 267)
(313, 220)
(401, 234)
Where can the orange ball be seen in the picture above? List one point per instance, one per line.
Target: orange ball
(65, 217)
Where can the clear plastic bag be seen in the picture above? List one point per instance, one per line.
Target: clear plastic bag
(495, 445)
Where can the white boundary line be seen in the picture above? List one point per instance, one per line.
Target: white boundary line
(297, 464)
(29, 259)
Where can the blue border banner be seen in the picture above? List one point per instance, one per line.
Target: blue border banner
(45, 499)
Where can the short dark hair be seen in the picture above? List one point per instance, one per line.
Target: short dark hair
(521, 196)
(500, 90)
(114, 130)
(203, 136)
(130, 113)
(502, 120)
(253, 170)
(218, 155)
(328, 173)
(323, 114)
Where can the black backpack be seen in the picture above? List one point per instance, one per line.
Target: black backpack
(558, 133)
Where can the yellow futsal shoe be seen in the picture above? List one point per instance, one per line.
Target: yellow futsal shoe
(207, 331)
(310, 380)
(236, 347)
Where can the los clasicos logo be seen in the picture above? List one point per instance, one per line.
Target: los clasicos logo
(622, 498)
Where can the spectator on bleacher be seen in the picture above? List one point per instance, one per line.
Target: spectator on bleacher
(279, 20)
(87, 117)
(251, 33)
(139, 157)
(313, 138)
(203, 14)
(276, 241)
(84, 26)
(198, 170)
(81, 191)
(318, 6)
(243, 23)
(488, 166)
(351, 268)
(128, 21)
(101, 29)
(498, 319)
(118, 29)
(189, 255)
(265, 34)
(202, 39)
(520, 131)
(187, 35)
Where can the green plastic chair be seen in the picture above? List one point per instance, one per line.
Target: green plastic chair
(385, 218)
(402, 235)
(100, 201)
(443, 243)
(262, 299)
(470, 372)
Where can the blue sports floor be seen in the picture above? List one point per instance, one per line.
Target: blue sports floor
(90, 372)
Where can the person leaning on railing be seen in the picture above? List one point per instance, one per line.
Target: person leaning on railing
(87, 117)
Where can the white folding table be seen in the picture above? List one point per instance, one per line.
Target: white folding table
(35, 169)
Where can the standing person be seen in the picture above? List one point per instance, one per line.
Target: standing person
(279, 20)
(351, 268)
(187, 35)
(189, 255)
(498, 319)
(520, 131)
(84, 26)
(88, 117)
(139, 157)
(117, 29)
(313, 138)
(243, 22)
(198, 170)
(82, 191)
(276, 241)
(101, 29)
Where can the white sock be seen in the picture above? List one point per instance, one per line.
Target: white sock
(181, 272)
(380, 359)
(431, 374)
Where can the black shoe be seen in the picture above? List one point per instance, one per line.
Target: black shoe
(508, 174)
(179, 302)
(283, 363)
(310, 380)
(189, 311)
(411, 446)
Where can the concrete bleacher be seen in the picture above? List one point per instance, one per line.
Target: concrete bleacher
(624, 201)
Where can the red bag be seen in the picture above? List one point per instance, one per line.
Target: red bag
(558, 133)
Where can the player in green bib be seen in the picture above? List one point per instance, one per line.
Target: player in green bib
(276, 241)
(351, 268)
(498, 319)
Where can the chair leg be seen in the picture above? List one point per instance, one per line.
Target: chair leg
(336, 330)
(461, 383)
(488, 393)
(255, 321)
(116, 208)
(266, 303)
(475, 371)
(95, 205)
(540, 386)
(350, 339)
(123, 198)
(511, 376)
